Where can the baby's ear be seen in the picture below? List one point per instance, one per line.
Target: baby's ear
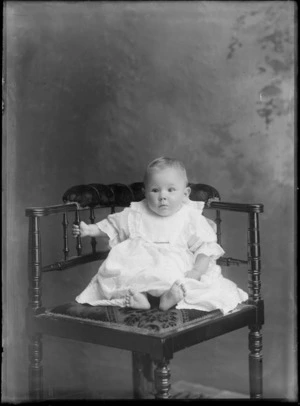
(187, 192)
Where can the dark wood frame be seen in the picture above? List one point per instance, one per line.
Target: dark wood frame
(151, 352)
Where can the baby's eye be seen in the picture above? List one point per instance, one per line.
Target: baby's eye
(171, 189)
(155, 190)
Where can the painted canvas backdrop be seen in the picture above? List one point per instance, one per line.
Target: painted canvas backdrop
(93, 91)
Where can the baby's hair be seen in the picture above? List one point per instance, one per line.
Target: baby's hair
(165, 162)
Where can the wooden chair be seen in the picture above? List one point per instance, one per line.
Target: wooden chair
(151, 335)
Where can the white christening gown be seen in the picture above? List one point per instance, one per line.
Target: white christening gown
(150, 252)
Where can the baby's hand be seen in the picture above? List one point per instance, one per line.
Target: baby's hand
(82, 230)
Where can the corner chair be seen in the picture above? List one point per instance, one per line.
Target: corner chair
(153, 336)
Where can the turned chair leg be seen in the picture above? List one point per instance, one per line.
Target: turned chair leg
(35, 373)
(162, 380)
(255, 363)
(142, 376)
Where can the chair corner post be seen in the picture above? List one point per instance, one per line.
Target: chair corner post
(254, 259)
(162, 376)
(35, 373)
(35, 264)
(255, 362)
(254, 289)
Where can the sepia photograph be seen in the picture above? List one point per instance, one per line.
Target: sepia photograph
(149, 201)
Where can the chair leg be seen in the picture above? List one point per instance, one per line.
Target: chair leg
(255, 362)
(35, 373)
(162, 380)
(142, 376)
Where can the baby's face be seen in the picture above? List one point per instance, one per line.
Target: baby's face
(166, 190)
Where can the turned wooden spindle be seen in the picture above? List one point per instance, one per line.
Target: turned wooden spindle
(78, 238)
(162, 380)
(93, 239)
(35, 264)
(30, 260)
(254, 285)
(254, 271)
(255, 363)
(35, 368)
(218, 223)
(65, 224)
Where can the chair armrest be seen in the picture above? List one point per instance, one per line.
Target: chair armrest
(239, 207)
(48, 210)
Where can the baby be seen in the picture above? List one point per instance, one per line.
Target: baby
(162, 246)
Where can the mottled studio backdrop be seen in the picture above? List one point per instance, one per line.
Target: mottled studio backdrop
(95, 90)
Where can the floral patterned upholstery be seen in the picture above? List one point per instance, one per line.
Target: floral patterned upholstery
(153, 320)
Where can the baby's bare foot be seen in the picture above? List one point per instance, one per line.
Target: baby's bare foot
(174, 295)
(136, 300)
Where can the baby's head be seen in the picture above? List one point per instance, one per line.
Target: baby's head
(166, 186)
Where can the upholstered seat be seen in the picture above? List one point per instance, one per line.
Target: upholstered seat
(152, 320)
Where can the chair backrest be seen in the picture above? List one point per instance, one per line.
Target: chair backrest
(119, 194)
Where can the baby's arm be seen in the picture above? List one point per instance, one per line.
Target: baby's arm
(200, 267)
(87, 230)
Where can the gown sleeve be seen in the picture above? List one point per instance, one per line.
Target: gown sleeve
(203, 238)
(116, 227)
